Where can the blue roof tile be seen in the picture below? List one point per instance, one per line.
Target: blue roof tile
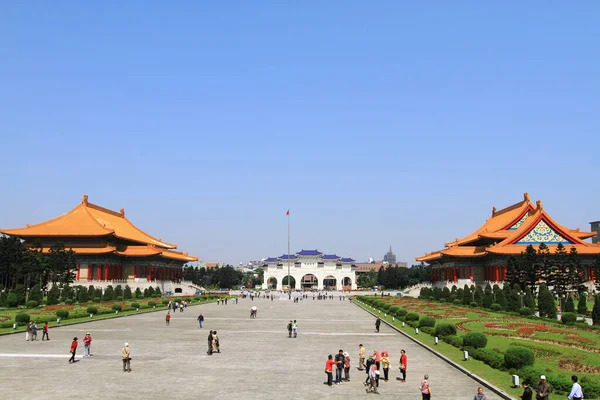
(287, 256)
(271, 259)
(347, 260)
(330, 257)
(309, 253)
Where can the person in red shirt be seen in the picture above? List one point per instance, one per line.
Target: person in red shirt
(329, 369)
(168, 318)
(87, 343)
(73, 350)
(403, 365)
(45, 332)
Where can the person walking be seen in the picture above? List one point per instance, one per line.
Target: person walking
(543, 389)
(28, 331)
(216, 347)
(73, 350)
(403, 364)
(181, 307)
(576, 392)
(479, 395)
(45, 332)
(168, 318)
(425, 389)
(527, 392)
(295, 328)
(339, 359)
(126, 356)
(289, 328)
(377, 324)
(361, 357)
(210, 344)
(385, 364)
(346, 366)
(329, 369)
(200, 320)
(34, 330)
(377, 357)
(373, 375)
(87, 343)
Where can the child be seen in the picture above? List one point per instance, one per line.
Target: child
(87, 343)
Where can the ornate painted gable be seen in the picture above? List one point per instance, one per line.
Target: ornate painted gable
(518, 224)
(543, 233)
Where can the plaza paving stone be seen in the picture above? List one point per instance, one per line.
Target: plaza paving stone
(258, 360)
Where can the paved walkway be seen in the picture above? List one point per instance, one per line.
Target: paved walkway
(258, 359)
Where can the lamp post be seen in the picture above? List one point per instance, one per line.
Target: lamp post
(561, 297)
(521, 295)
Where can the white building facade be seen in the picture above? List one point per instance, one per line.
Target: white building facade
(309, 270)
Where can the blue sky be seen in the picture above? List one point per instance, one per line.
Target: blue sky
(376, 123)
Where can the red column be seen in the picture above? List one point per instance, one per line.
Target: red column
(78, 270)
(148, 272)
(504, 272)
(105, 272)
(99, 272)
(496, 273)
(455, 274)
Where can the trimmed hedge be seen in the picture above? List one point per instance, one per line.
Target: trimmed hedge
(117, 307)
(457, 302)
(151, 303)
(31, 304)
(22, 318)
(411, 316)
(489, 357)
(92, 310)
(401, 313)
(525, 311)
(426, 321)
(496, 307)
(453, 340)
(62, 314)
(135, 305)
(568, 318)
(445, 329)
(69, 301)
(165, 302)
(518, 357)
(475, 340)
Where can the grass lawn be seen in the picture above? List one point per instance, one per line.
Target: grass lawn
(78, 312)
(560, 350)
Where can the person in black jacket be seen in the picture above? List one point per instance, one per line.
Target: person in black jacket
(339, 359)
(289, 328)
(377, 324)
(527, 392)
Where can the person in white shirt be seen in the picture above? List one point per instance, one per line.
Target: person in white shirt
(576, 393)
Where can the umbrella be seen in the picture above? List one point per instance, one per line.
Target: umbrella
(254, 308)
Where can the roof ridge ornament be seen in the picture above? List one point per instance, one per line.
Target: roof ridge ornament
(526, 196)
(122, 212)
(84, 199)
(494, 210)
(539, 205)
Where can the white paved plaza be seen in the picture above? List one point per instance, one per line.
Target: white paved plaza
(258, 361)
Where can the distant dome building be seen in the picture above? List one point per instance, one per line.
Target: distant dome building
(309, 269)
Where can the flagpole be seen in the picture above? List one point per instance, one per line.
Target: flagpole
(289, 277)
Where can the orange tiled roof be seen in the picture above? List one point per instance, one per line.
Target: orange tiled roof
(145, 251)
(88, 219)
(87, 250)
(508, 227)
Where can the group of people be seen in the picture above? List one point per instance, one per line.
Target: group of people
(213, 343)
(32, 329)
(178, 305)
(373, 364)
(292, 328)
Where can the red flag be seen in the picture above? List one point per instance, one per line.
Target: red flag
(288, 212)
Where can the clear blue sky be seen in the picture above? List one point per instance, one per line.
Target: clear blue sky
(376, 123)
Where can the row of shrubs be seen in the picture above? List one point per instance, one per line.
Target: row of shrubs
(517, 359)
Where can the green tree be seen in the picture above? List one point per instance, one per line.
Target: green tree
(446, 293)
(546, 305)
(367, 279)
(127, 293)
(118, 291)
(35, 293)
(576, 272)
(150, 292)
(529, 300)
(146, 293)
(53, 295)
(61, 263)
(530, 268)
(67, 292)
(488, 297)
(82, 294)
(467, 296)
(596, 311)
(19, 291)
(138, 293)
(513, 302)
(513, 270)
(500, 297)
(569, 304)
(559, 279)
(478, 296)
(98, 293)
(109, 293)
(157, 292)
(582, 304)
(597, 273)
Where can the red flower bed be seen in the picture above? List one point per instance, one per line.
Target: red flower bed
(4, 318)
(525, 332)
(580, 339)
(541, 328)
(59, 307)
